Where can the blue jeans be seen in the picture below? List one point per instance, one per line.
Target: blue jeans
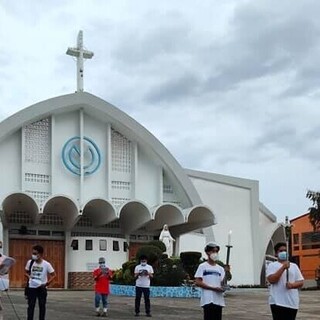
(101, 296)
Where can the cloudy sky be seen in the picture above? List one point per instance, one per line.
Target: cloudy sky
(230, 87)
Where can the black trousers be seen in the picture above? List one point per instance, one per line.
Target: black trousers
(146, 295)
(34, 294)
(212, 312)
(283, 313)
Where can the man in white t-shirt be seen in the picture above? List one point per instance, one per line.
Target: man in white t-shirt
(210, 278)
(39, 278)
(285, 279)
(143, 272)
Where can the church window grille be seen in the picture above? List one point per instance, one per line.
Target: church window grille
(36, 178)
(51, 219)
(120, 185)
(113, 224)
(39, 196)
(37, 142)
(121, 152)
(84, 221)
(21, 217)
(118, 202)
(96, 234)
(167, 188)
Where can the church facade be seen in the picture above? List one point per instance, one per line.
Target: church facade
(86, 180)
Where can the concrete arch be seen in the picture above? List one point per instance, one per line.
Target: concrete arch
(168, 213)
(197, 217)
(133, 215)
(104, 111)
(278, 235)
(19, 202)
(62, 206)
(100, 211)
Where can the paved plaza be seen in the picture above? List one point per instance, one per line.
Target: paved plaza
(69, 305)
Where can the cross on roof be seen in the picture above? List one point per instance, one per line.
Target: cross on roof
(80, 53)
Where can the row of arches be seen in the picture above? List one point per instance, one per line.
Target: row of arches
(131, 215)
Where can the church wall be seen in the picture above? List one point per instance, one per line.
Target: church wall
(96, 185)
(65, 126)
(83, 260)
(192, 242)
(148, 176)
(232, 208)
(10, 163)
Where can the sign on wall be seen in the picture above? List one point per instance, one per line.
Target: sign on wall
(71, 155)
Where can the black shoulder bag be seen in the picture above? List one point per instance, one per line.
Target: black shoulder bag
(26, 288)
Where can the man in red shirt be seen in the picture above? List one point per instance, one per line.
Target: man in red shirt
(102, 276)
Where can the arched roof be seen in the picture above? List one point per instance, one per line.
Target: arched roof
(104, 111)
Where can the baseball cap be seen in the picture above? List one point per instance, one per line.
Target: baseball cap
(210, 245)
(102, 260)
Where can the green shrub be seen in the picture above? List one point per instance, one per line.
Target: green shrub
(157, 243)
(169, 273)
(153, 253)
(190, 261)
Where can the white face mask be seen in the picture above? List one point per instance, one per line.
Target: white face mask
(143, 264)
(283, 255)
(34, 257)
(214, 256)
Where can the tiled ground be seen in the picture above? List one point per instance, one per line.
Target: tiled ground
(249, 304)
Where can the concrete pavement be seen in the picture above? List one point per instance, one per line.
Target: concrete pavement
(249, 304)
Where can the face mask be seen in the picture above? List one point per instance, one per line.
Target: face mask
(143, 264)
(282, 255)
(34, 257)
(214, 256)
(102, 265)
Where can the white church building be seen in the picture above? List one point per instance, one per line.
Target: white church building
(85, 180)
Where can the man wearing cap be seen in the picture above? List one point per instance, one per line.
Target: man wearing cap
(210, 277)
(102, 276)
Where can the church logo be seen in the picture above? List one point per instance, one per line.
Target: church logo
(71, 156)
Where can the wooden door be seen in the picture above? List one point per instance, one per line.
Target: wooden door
(133, 248)
(54, 252)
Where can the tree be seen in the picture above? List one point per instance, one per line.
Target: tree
(314, 211)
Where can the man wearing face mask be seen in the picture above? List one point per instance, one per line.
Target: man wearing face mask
(210, 278)
(143, 272)
(284, 294)
(40, 274)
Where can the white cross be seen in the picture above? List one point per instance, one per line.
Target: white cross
(80, 54)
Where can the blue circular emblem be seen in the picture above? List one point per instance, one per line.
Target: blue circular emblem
(71, 156)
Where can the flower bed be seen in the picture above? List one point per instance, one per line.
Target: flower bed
(174, 292)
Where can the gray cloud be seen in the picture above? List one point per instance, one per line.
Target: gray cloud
(235, 81)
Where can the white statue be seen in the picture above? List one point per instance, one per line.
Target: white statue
(167, 239)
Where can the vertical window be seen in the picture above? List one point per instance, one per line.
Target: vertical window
(75, 244)
(115, 246)
(296, 238)
(89, 245)
(125, 246)
(103, 245)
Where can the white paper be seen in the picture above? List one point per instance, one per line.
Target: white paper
(6, 264)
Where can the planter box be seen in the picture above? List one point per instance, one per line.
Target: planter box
(174, 292)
